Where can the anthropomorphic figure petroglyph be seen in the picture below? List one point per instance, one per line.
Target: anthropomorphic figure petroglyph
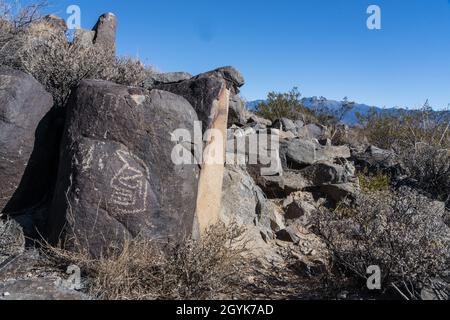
(130, 184)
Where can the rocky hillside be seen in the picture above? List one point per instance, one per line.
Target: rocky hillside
(166, 158)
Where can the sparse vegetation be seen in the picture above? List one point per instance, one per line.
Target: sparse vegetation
(405, 129)
(209, 268)
(284, 105)
(402, 232)
(15, 19)
(429, 167)
(372, 182)
(42, 50)
(12, 240)
(421, 141)
(401, 229)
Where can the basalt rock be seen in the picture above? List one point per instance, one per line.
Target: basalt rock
(237, 113)
(375, 160)
(313, 131)
(26, 143)
(300, 207)
(299, 153)
(105, 33)
(56, 23)
(102, 36)
(285, 124)
(116, 177)
(252, 210)
(203, 89)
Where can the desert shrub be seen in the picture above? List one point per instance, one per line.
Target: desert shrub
(15, 18)
(421, 141)
(402, 232)
(333, 118)
(284, 105)
(193, 269)
(60, 65)
(404, 129)
(371, 182)
(43, 50)
(429, 167)
(129, 71)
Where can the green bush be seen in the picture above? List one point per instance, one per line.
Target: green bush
(371, 182)
(284, 105)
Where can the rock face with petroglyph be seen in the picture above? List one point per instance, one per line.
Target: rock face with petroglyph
(24, 156)
(210, 94)
(116, 176)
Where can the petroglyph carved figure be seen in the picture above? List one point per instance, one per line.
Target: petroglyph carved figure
(130, 184)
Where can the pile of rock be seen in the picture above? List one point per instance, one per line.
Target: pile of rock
(101, 169)
(303, 161)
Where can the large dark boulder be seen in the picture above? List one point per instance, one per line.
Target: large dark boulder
(116, 178)
(237, 112)
(26, 145)
(202, 90)
(313, 131)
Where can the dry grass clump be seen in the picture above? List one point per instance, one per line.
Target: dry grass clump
(402, 232)
(429, 167)
(213, 267)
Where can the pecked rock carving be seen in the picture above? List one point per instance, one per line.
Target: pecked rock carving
(116, 177)
(130, 185)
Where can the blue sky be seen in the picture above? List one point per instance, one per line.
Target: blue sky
(321, 46)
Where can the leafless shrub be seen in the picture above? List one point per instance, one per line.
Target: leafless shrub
(421, 141)
(193, 269)
(430, 168)
(129, 71)
(41, 49)
(59, 65)
(402, 232)
(404, 129)
(15, 18)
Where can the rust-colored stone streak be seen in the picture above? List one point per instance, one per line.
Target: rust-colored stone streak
(209, 195)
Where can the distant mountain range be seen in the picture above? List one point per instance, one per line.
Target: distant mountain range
(349, 118)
